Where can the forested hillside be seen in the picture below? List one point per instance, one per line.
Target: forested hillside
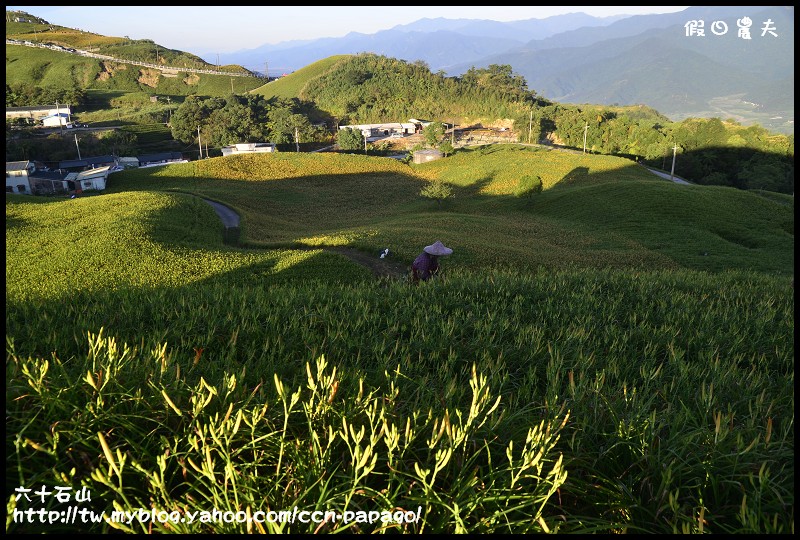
(369, 88)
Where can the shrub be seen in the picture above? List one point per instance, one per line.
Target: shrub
(528, 186)
(437, 190)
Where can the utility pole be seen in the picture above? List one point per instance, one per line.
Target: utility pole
(199, 144)
(60, 125)
(76, 146)
(530, 127)
(585, 130)
(296, 139)
(674, 152)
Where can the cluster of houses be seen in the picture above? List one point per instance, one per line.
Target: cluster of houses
(76, 175)
(91, 174)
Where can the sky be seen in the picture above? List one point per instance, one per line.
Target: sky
(205, 30)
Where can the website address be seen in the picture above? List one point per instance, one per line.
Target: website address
(73, 514)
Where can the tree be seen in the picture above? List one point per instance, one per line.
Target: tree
(437, 190)
(433, 133)
(446, 147)
(350, 139)
(186, 120)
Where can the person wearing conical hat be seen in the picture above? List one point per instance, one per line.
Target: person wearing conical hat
(426, 265)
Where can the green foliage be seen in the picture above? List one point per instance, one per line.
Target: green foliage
(26, 94)
(499, 78)
(437, 190)
(368, 88)
(528, 186)
(446, 147)
(236, 119)
(350, 139)
(433, 133)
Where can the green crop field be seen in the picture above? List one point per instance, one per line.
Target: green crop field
(612, 355)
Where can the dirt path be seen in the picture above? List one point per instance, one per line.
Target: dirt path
(387, 267)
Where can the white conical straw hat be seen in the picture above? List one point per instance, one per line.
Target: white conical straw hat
(437, 248)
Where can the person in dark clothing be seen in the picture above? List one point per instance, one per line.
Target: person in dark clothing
(426, 265)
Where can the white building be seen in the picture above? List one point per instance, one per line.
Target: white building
(17, 173)
(248, 148)
(90, 180)
(55, 120)
(373, 132)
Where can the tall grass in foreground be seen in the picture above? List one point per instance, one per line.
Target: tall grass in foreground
(655, 401)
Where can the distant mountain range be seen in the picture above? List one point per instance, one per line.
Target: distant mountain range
(577, 58)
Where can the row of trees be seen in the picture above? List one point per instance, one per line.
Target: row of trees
(708, 151)
(27, 95)
(54, 148)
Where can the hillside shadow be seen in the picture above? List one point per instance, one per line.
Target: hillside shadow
(615, 208)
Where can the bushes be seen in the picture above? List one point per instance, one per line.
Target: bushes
(528, 187)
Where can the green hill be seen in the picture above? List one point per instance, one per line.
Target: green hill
(291, 86)
(33, 66)
(595, 210)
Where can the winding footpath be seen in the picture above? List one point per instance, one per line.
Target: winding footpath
(383, 268)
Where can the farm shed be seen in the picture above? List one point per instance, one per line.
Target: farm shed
(380, 131)
(429, 154)
(91, 180)
(248, 148)
(36, 113)
(55, 120)
(48, 182)
(162, 158)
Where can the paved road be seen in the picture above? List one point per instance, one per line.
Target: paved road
(227, 215)
(665, 175)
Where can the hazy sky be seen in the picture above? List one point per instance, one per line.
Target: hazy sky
(203, 30)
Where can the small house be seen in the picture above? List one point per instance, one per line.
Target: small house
(128, 162)
(56, 120)
(17, 174)
(89, 180)
(372, 132)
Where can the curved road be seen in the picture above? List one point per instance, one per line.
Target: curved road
(227, 215)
